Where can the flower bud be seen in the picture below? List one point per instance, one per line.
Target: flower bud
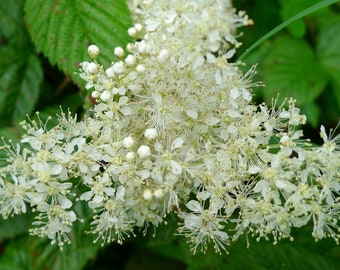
(140, 68)
(147, 195)
(151, 133)
(130, 47)
(128, 142)
(144, 151)
(93, 51)
(106, 96)
(119, 67)
(163, 55)
(130, 60)
(110, 72)
(95, 94)
(158, 193)
(138, 27)
(93, 68)
(119, 52)
(130, 156)
(132, 31)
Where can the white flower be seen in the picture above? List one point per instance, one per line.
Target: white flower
(202, 226)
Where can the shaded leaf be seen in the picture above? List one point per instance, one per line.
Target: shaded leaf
(313, 112)
(328, 52)
(15, 226)
(20, 71)
(35, 253)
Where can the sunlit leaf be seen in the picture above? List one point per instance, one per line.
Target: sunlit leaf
(62, 30)
(291, 70)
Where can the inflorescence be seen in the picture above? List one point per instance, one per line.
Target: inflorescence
(174, 130)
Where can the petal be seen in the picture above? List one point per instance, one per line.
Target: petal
(176, 167)
(194, 206)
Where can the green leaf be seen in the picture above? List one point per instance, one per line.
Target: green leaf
(303, 254)
(313, 112)
(264, 13)
(20, 81)
(35, 253)
(11, 227)
(328, 44)
(12, 25)
(15, 255)
(278, 28)
(20, 70)
(291, 70)
(63, 29)
(292, 7)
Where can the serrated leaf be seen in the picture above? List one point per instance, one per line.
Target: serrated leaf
(63, 29)
(328, 44)
(291, 70)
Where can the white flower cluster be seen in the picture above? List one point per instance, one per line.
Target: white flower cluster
(174, 130)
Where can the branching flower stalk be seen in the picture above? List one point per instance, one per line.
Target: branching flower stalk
(174, 130)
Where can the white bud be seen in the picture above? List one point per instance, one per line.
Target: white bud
(110, 72)
(143, 48)
(144, 151)
(119, 52)
(93, 68)
(132, 31)
(147, 195)
(163, 55)
(128, 142)
(93, 51)
(151, 133)
(158, 193)
(130, 47)
(130, 60)
(130, 156)
(119, 67)
(95, 94)
(138, 27)
(106, 96)
(140, 68)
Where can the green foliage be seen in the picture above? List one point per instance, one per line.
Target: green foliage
(301, 61)
(20, 69)
(304, 72)
(26, 252)
(327, 50)
(63, 30)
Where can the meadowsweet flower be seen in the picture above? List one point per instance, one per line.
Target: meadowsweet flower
(174, 130)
